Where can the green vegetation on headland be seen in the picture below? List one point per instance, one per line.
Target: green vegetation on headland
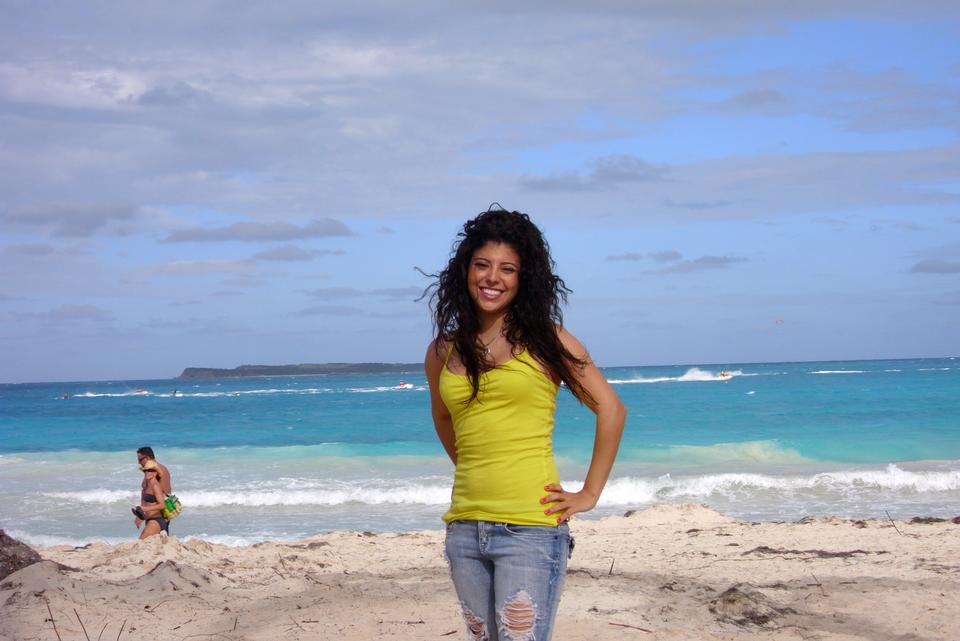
(303, 369)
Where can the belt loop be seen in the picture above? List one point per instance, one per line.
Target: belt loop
(482, 534)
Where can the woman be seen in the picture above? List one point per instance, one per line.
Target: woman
(151, 501)
(494, 370)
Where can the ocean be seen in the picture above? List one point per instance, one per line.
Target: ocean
(283, 458)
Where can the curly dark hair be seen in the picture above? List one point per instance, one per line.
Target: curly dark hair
(534, 314)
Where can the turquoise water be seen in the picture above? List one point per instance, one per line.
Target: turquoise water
(286, 457)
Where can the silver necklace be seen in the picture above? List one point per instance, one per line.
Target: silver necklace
(486, 346)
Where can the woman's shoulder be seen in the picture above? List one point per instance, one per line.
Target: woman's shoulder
(438, 351)
(571, 343)
(438, 348)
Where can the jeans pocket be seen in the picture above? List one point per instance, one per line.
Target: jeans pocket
(461, 526)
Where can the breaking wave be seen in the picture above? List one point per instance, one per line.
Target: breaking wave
(837, 485)
(694, 374)
(620, 491)
(400, 387)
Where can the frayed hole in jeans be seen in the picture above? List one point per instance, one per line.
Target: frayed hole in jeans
(476, 627)
(519, 617)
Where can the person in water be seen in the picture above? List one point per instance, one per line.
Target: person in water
(494, 368)
(151, 501)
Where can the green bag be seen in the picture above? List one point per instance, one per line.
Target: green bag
(171, 507)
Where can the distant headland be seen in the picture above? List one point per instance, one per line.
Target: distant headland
(303, 369)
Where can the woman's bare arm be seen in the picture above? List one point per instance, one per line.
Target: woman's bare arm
(433, 365)
(611, 416)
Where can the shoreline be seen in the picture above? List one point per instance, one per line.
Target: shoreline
(286, 514)
(96, 515)
(669, 572)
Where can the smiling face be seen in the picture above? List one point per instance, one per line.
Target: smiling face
(493, 279)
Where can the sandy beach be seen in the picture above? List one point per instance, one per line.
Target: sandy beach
(669, 572)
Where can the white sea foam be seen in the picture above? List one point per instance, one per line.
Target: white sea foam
(694, 374)
(842, 484)
(46, 540)
(404, 387)
(889, 481)
(373, 493)
(839, 371)
(232, 541)
(414, 493)
(98, 495)
(893, 478)
(113, 394)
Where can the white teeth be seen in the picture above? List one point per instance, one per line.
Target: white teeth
(490, 292)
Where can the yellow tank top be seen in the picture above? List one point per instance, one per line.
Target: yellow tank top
(504, 441)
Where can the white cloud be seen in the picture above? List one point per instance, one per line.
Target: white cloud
(936, 266)
(73, 221)
(52, 83)
(255, 232)
(329, 310)
(292, 253)
(700, 264)
(70, 313)
(185, 267)
(755, 186)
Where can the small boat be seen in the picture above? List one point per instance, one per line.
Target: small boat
(405, 385)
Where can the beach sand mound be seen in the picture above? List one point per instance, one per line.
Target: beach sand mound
(692, 514)
(170, 576)
(744, 606)
(35, 577)
(14, 555)
(121, 561)
(39, 580)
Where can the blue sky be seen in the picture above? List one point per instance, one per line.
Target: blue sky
(214, 184)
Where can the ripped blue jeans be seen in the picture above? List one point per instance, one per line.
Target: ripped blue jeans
(508, 577)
